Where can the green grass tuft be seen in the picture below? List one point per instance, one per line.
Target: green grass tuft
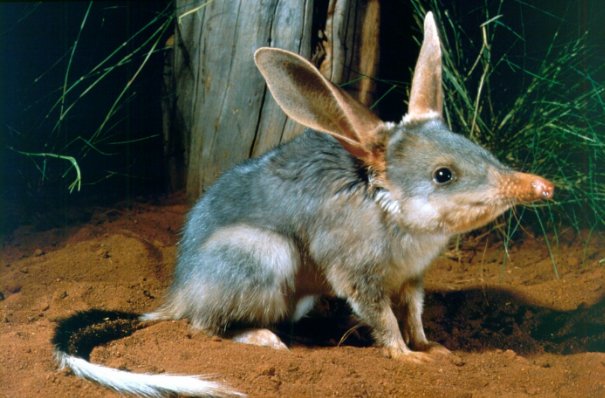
(58, 133)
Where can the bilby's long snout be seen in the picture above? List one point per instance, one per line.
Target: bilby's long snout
(525, 187)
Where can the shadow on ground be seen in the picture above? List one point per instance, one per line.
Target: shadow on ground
(467, 320)
(470, 320)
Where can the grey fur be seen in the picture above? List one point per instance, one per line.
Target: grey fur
(311, 196)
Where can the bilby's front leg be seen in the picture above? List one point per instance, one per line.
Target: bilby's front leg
(381, 319)
(375, 310)
(411, 305)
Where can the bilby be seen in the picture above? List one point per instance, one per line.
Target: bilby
(355, 207)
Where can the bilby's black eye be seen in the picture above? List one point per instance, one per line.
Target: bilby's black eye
(443, 175)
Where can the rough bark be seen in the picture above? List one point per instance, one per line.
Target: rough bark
(220, 109)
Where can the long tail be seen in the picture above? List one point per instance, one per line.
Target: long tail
(70, 338)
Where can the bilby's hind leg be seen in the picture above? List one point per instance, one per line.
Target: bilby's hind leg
(260, 337)
(240, 274)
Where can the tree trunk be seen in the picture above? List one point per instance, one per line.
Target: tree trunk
(221, 112)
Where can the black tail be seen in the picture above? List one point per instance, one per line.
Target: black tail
(76, 336)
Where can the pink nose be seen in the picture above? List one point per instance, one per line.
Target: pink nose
(525, 187)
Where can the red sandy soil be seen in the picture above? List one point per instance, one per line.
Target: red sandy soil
(515, 329)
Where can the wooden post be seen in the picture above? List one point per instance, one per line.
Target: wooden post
(220, 109)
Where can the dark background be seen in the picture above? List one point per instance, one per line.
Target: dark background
(36, 41)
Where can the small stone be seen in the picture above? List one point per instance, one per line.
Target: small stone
(39, 252)
(103, 253)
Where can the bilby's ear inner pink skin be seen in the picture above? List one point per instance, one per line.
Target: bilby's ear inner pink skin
(306, 96)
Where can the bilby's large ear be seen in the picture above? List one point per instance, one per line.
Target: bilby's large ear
(306, 96)
(426, 95)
